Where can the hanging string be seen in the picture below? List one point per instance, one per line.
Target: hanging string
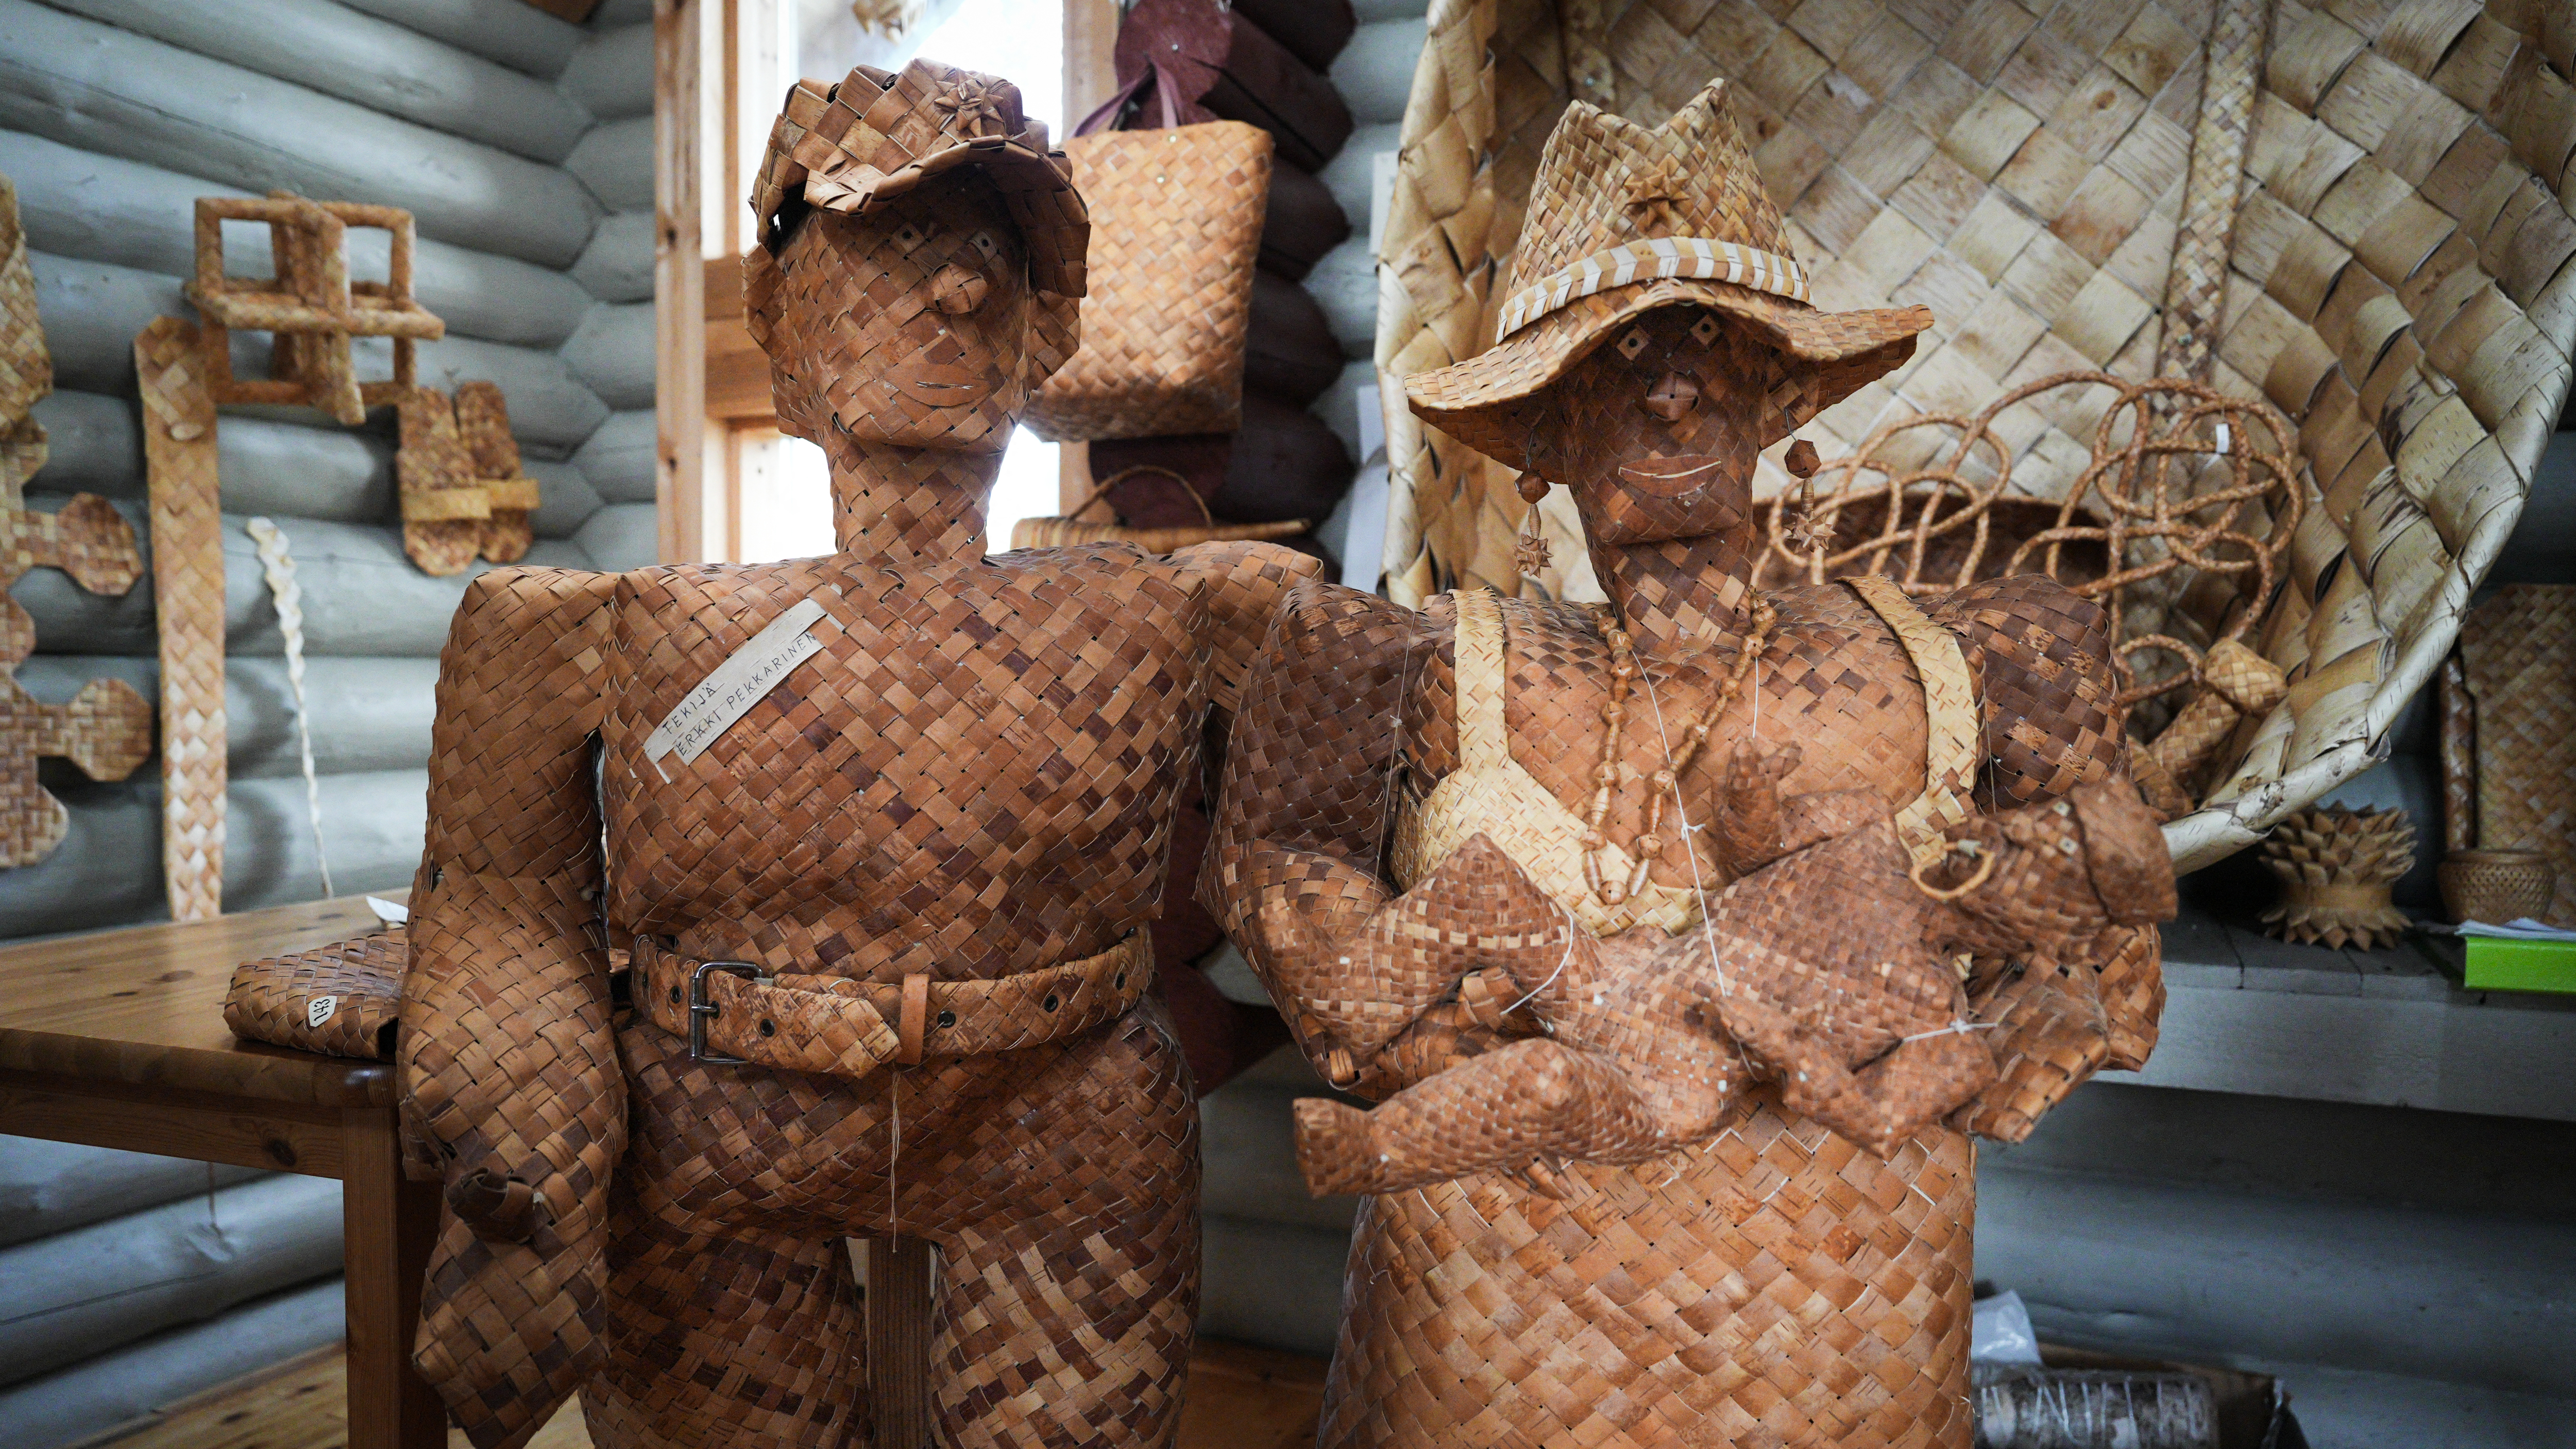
(894, 1155)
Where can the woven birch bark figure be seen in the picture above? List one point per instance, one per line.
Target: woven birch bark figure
(922, 856)
(1423, 777)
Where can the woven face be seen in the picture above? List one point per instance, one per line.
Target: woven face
(907, 325)
(1656, 431)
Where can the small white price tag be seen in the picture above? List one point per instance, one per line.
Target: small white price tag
(320, 1010)
(733, 687)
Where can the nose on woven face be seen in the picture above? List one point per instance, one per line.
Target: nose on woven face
(1671, 397)
(958, 291)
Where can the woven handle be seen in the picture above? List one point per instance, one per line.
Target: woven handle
(1100, 491)
(1106, 116)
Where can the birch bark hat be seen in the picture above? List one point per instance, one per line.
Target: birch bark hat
(1624, 219)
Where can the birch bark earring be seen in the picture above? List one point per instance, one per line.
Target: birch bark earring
(1798, 526)
(1530, 552)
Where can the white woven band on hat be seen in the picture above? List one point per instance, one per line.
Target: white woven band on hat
(1652, 260)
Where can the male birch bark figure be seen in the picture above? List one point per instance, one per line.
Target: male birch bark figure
(884, 830)
(1421, 810)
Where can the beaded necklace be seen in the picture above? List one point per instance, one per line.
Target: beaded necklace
(1664, 784)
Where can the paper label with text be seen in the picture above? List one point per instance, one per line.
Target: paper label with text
(319, 1010)
(733, 687)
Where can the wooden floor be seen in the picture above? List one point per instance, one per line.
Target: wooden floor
(1240, 1398)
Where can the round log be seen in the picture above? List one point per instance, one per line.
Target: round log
(618, 456)
(387, 68)
(613, 354)
(368, 714)
(616, 162)
(1289, 353)
(1345, 284)
(617, 266)
(102, 873)
(86, 207)
(1300, 221)
(612, 74)
(1286, 464)
(1374, 73)
(102, 89)
(621, 536)
(512, 32)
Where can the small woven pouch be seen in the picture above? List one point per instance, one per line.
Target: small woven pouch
(1175, 233)
(341, 1000)
(1072, 528)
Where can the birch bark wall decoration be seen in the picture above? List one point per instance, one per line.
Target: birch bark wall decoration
(106, 729)
(462, 492)
(887, 901)
(1566, 888)
(2378, 187)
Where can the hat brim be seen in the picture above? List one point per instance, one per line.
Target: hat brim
(1476, 401)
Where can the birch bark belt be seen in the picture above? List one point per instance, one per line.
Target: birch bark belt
(848, 1028)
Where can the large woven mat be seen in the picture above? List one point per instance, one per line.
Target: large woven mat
(2395, 281)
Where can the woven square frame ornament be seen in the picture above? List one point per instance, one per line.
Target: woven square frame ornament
(879, 836)
(1681, 941)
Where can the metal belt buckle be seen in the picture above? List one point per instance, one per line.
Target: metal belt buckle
(702, 1011)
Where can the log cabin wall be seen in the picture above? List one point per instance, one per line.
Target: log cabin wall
(523, 147)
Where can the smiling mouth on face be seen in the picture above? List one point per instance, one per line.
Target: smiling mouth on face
(1672, 477)
(942, 384)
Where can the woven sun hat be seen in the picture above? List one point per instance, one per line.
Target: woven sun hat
(1624, 219)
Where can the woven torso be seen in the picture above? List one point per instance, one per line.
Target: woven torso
(975, 776)
(1491, 792)
(1773, 1286)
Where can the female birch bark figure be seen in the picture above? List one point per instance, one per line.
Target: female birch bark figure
(1418, 806)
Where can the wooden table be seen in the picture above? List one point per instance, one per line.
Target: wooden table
(118, 1040)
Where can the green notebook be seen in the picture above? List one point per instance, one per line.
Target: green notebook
(2499, 964)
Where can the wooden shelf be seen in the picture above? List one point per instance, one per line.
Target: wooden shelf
(2246, 1013)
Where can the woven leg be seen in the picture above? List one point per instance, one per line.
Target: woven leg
(1072, 1328)
(1058, 1184)
(1780, 1288)
(773, 1319)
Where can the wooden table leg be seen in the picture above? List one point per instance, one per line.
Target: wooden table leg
(389, 1225)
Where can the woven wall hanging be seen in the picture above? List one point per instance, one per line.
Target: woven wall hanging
(106, 729)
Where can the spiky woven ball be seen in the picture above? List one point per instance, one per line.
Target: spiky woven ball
(2336, 866)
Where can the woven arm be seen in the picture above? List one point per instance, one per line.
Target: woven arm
(2042, 658)
(1301, 825)
(511, 1092)
(1245, 583)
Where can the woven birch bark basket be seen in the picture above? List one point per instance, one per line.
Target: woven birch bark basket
(2357, 214)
